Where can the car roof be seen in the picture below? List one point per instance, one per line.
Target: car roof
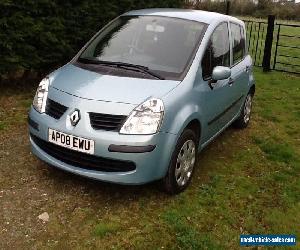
(188, 14)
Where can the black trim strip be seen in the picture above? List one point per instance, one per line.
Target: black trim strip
(225, 111)
(33, 124)
(130, 149)
(82, 160)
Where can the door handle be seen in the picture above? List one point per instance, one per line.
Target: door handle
(247, 69)
(230, 82)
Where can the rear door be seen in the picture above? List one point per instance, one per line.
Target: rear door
(239, 68)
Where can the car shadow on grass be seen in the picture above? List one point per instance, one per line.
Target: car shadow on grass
(98, 188)
(216, 150)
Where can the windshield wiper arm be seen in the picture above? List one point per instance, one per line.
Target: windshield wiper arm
(121, 65)
(87, 60)
(139, 67)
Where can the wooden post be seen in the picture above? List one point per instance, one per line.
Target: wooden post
(227, 7)
(268, 44)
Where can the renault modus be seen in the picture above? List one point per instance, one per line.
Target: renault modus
(144, 96)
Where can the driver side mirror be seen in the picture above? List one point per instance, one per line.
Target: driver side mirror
(220, 73)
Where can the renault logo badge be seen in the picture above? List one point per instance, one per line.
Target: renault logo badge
(75, 117)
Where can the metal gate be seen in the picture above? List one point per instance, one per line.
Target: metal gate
(274, 46)
(256, 34)
(287, 48)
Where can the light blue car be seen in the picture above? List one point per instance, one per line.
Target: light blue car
(144, 96)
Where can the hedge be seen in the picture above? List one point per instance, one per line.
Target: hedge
(40, 35)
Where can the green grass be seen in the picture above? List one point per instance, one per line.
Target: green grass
(104, 229)
(281, 152)
(2, 125)
(186, 234)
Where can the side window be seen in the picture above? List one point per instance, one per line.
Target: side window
(217, 52)
(238, 42)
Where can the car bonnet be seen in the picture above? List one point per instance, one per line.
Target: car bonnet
(94, 86)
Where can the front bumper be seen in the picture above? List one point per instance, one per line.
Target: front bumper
(150, 165)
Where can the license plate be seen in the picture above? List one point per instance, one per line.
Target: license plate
(70, 141)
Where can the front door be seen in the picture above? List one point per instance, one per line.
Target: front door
(216, 97)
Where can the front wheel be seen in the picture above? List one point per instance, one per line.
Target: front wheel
(182, 163)
(243, 120)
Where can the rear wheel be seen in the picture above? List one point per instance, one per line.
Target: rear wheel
(244, 118)
(182, 163)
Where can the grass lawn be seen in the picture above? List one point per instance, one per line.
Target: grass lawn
(246, 182)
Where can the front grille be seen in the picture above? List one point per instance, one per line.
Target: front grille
(106, 121)
(55, 109)
(82, 160)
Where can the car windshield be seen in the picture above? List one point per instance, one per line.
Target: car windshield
(163, 45)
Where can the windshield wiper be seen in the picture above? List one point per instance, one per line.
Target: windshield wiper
(87, 60)
(138, 67)
(123, 65)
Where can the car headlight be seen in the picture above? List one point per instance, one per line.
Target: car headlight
(145, 119)
(40, 98)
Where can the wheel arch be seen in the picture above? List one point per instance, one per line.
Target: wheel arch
(195, 125)
(252, 89)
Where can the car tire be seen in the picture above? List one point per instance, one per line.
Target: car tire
(244, 118)
(182, 163)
